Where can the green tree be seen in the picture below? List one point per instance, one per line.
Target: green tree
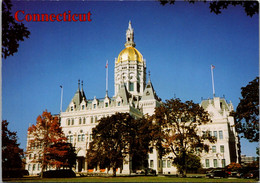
(247, 112)
(177, 131)
(47, 139)
(118, 139)
(192, 162)
(12, 32)
(11, 152)
(141, 138)
(251, 7)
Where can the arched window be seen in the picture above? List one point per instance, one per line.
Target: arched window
(29, 167)
(79, 121)
(34, 166)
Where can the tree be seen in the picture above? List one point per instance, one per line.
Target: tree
(141, 138)
(247, 112)
(47, 139)
(178, 134)
(234, 166)
(192, 162)
(64, 155)
(12, 32)
(11, 152)
(251, 7)
(118, 139)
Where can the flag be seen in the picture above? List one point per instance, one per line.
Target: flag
(107, 64)
(212, 67)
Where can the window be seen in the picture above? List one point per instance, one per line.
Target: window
(83, 107)
(96, 119)
(207, 162)
(197, 150)
(94, 106)
(215, 163)
(72, 122)
(91, 119)
(34, 166)
(214, 149)
(30, 156)
(210, 133)
(70, 138)
(215, 134)
(223, 161)
(106, 104)
(131, 86)
(29, 167)
(220, 133)
(84, 120)
(118, 104)
(151, 163)
(222, 149)
(80, 121)
(68, 121)
(159, 163)
(39, 166)
(168, 163)
(164, 163)
(34, 157)
(81, 137)
(71, 108)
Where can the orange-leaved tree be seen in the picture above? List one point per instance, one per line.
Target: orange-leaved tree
(47, 143)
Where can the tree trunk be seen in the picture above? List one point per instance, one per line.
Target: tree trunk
(114, 171)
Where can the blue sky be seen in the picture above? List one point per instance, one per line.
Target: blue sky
(179, 43)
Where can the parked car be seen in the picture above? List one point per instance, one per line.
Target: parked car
(217, 173)
(252, 174)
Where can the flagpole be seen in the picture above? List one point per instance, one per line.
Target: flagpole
(61, 98)
(212, 78)
(107, 78)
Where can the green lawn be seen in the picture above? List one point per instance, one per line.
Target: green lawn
(127, 179)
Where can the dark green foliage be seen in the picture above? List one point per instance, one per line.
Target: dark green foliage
(118, 138)
(176, 130)
(192, 162)
(59, 174)
(12, 32)
(251, 7)
(11, 152)
(247, 112)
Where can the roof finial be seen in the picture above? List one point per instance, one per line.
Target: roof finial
(79, 84)
(82, 85)
(149, 74)
(129, 25)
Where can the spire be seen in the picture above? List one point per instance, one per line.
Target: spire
(79, 85)
(130, 36)
(82, 91)
(149, 74)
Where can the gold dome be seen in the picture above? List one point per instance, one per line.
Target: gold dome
(130, 54)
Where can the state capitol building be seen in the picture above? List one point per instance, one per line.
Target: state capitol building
(135, 95)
